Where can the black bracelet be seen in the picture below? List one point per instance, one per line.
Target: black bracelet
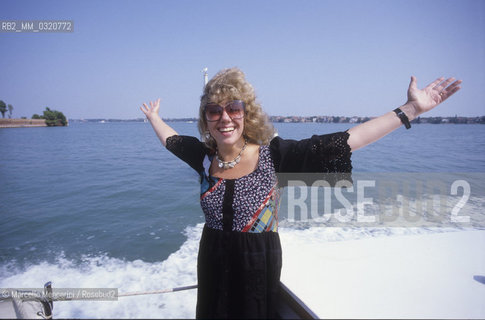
(403, 117)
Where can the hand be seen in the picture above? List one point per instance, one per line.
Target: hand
(153, 110)
(432, 95)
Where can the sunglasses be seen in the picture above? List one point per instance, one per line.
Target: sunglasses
(234, 109)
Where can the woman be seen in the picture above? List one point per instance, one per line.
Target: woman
(239, 260)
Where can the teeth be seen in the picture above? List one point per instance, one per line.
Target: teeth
(226, 129)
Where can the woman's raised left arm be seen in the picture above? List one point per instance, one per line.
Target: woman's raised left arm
(419, 101)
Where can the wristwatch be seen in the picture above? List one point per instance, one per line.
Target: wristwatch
(403, 117)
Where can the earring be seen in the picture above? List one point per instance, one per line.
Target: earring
(207, 135)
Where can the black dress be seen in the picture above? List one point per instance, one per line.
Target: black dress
(239, 262)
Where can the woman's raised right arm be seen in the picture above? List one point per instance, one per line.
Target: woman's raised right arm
(162, 129)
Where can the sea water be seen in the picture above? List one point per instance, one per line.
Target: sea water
(104, 205)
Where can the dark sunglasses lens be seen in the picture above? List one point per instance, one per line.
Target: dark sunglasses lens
(213, 112)
(235, 109)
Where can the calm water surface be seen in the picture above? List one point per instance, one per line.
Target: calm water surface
(112, 189)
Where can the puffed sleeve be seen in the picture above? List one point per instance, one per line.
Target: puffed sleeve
(329, 154)
(188, 149)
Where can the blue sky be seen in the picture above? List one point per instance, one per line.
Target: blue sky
(303, 57)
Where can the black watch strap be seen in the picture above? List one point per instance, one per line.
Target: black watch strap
(403, 117)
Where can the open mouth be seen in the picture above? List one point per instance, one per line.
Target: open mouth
(226, 130)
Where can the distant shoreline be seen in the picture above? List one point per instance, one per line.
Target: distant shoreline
(311, 119)
(33, 123)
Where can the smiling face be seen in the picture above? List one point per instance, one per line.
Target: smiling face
(226, 132)
(231, 85)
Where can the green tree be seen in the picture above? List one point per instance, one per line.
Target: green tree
(54, 118)
(10, 108)
(3, 108)
(36, 116)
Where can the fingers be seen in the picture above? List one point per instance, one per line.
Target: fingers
(152, 109)
(447, 86)
(435, 83)
(444, 88)
(450, 90)
(145, 109)
(444, 84)
(455, 84)
(152, 105)
(452, 86)
(155, 103)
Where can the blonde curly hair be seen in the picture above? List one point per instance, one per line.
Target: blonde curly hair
(230, 84)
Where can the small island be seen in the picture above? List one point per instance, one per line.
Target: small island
(49, 118)
(53, 118)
